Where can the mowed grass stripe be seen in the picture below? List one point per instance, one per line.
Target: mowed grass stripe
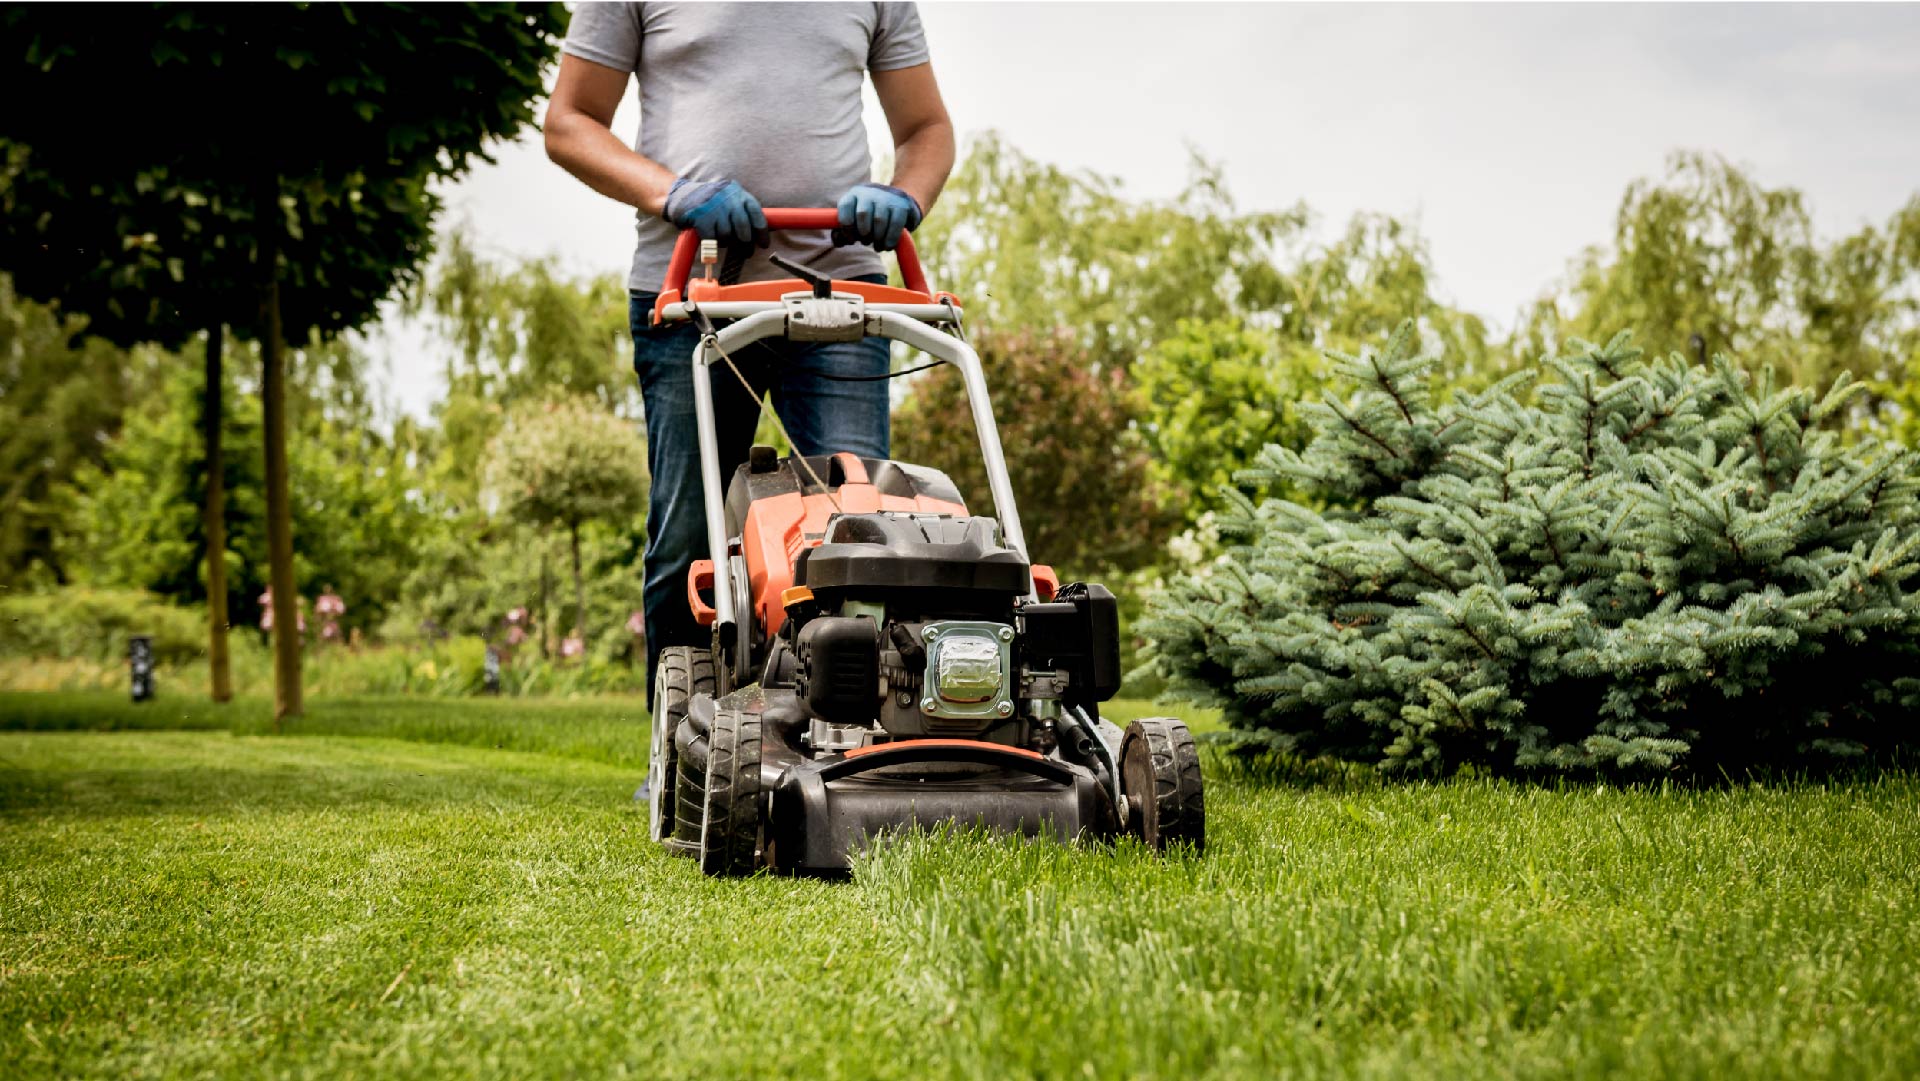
(204, 903)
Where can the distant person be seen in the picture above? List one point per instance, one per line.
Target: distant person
(745, 105)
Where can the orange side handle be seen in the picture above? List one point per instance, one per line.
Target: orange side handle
(680, 267)
(699, 577)
(1045, 582)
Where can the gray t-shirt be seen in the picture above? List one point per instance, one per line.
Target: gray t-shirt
(766, 94)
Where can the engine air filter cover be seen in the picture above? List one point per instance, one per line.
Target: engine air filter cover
(969, 670)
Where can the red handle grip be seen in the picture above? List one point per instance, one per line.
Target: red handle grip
(680, 267)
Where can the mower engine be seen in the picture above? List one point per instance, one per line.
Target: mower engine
(914, 627)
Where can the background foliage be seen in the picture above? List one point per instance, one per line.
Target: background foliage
(1142, 355)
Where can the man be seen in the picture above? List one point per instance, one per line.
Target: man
(744, 106)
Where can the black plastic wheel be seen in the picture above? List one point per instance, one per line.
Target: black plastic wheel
(683, 672)
(1160, 776)
(730, 832)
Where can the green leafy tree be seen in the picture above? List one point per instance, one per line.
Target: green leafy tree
(1029, 246)
(1219, 391)
(1376, 274)
(1218, 315)
(1214, 394)
(62, 402)
(568, 463)
(1707, 250)
(1898, 414)
(519, 331)
(1645, 565)
(1088, 501)
(308, 204)
(133, 520)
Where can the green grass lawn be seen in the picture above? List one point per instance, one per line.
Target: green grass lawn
(413, 887)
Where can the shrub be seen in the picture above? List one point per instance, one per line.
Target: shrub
(1641, 566)
(95, 624)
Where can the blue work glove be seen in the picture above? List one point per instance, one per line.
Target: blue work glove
(717, 209)
(878, 213)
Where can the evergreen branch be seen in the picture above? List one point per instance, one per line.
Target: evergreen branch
(1760, 446)
(1726, 527)
(1593, 406)
(1388, 384)
(1656, 417)
(1477, 640)
(1880, 471)
(1361, 428)
(1546, 530)
(1406, 552)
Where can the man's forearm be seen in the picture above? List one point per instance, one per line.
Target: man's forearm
(922, 162)
(590, 151)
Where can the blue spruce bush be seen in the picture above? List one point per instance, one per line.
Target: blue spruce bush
(1633, 565)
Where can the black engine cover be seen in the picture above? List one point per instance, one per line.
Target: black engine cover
(1077, 632)
(895, 554)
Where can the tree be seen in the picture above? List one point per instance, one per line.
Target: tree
(1213, 395)
(1707, 250)
(61, 403)
(1032, 247)
(1648, 565)
(520, 331)
(309, 195)
(1218, 315)
(1080, 472)
(567, 463)
(133, 522)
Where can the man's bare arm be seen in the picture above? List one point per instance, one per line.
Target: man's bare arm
(580, 138)
(922, 131)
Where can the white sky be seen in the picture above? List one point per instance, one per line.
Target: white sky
(1508, 133)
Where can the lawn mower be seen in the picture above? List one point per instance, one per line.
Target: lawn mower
(882, 658)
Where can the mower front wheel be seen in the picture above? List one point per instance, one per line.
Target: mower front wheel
(1160, 777)
(682, 673)
(730, 833)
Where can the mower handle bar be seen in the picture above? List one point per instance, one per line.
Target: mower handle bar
(680, 267)
(740, 309)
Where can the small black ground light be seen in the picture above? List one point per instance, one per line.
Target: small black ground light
(490, 670)
(140, 663)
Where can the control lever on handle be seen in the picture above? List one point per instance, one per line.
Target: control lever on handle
(822, 287)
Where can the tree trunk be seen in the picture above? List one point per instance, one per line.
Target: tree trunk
(286, 612)
(545, 623)
(579, 588)
(215, 525)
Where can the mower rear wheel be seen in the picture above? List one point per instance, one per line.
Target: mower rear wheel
(730, 833)
(683, 672)
(1160, 777)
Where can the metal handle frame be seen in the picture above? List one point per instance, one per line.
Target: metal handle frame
(882, 322)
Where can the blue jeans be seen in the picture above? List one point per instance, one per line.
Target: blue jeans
(823, 416)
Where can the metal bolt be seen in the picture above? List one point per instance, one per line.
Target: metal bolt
(930, 633)
(1005, 709)
(926, 705)
(906, 698)
(1006, 634)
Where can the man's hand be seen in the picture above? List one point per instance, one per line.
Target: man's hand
(878, 214)
(718, 209)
